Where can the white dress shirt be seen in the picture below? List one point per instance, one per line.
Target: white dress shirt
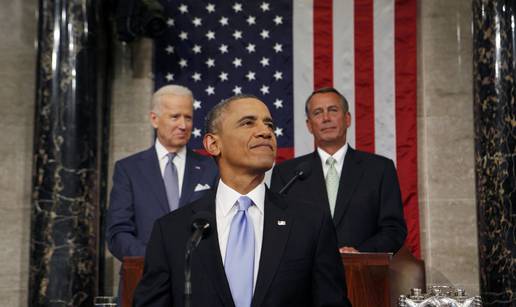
(339, 156)
(179, 162)
(225, 210)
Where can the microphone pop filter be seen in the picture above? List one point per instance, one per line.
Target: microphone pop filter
(303, 170)
(202, 220)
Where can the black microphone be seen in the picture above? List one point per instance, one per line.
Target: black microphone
(201, 226)
(303, 170)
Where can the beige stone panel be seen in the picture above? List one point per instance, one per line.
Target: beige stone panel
(16, 139)
(15, 183)
(421, 166)
(130, 128)
(448, 88)
(18, 26)
(15, 166)
(19, 60)
(113, 267)
(17, 95)
(15, 187)
(445, 143)
(450, 151)
(453, 237)
(17, 88)
(446, 58)
(423, 234)
(19, 23)
(422, 163)
(14, 297)
(129, 138)
(14, 253)
(441, 13)
(131, 101)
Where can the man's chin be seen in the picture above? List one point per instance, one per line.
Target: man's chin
(264, 164)
(329, 138)
(180, 143)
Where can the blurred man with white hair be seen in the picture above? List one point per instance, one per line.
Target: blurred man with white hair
(156, 181)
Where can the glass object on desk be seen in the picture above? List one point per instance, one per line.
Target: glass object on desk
(105, 301)
(439, 296)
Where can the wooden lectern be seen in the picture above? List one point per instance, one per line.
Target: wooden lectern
(132, 271)
(367, 278)
(371, 277)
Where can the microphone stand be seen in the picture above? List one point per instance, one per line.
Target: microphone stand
(191, 246)
(291, 181)
(188, 276)
(303, 170)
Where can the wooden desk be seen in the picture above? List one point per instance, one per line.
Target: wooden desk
(367, 278)
(132, 271)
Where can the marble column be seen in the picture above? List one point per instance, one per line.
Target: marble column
(495, 148)
(68, 155)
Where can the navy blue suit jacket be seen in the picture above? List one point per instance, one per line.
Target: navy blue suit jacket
(299, 263)
(138, 197)
(368, 210)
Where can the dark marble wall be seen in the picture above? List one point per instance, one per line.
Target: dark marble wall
(68, 138)
(495, 148)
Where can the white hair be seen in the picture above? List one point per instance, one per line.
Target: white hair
(174, 90)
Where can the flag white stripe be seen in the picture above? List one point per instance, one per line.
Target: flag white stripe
(303, 72)
(344, 57)
(384, 79)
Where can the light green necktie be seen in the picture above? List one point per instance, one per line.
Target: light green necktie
(332, 183)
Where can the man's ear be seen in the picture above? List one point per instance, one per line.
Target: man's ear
(347, 119)
(211, 144)
(154, 118)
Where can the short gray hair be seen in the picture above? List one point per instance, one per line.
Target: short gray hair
(213, 118)
(324, 90)
(172, 89)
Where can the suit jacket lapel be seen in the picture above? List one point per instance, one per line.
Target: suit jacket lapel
(350, 176)
(192, 174)
(149, 166)
(209, 252)
(275, 235)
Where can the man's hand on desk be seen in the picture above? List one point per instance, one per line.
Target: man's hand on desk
(347, 249)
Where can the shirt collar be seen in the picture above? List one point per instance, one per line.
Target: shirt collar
(227, 197)
(338, 155)
(163, 152)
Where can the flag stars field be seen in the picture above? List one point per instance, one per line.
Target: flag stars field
(196, 133)
(210, 8)
(219, 49)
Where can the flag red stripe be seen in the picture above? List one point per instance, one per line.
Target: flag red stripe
(364, 75)
(284, 154)
(406, 115)
(323, 43)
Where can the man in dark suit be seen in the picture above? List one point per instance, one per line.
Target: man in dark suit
(263, 249)
(148, 185)
(361, 189)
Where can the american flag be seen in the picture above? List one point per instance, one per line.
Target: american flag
(282, 50)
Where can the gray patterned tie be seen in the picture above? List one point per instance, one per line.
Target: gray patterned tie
(332, 183)
(171, 182)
